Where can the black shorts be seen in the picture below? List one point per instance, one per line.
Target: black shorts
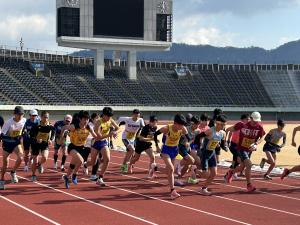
(80, 149)
(10, 144)
(268, 147)
(208, 159)
(37, 148)
(26, 143)
(140, 147)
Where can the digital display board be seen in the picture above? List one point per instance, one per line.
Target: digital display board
(119, 18)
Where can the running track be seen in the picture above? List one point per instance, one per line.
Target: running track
(132, 199)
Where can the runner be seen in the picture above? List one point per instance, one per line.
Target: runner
(272, 146)
(251, 135)
(102, 130)
(144, 143)
(171, 136)
(233, 139)
(11, 134)
(212, 138)
(286, 171)
(132, 125)
(60, 142)
(79, 132)
(211, 123)
(30, 123)
(41, 137)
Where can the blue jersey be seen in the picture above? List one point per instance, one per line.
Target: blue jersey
(28, 127)
(58, 127)
(211, 144)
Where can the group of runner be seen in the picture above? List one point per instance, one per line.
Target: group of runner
(190, 146)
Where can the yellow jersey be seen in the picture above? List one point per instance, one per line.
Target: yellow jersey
(78, 137)
(172, 138)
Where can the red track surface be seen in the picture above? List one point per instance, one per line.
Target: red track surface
(132, 199)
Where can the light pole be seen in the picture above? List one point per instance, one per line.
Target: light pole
(22, 46)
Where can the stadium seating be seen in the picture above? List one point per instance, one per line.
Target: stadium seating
(70, 84)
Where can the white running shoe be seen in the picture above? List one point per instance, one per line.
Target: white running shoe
(25, 168)
(14, 178)
(93, 177)
(41, 169)
(174, 194)
(55, 166)
(152, 170)
(235, 176)
(205, 192)
(100, 182)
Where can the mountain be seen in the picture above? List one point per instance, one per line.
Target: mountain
(287, 53)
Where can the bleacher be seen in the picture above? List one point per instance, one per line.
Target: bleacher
(75, 84)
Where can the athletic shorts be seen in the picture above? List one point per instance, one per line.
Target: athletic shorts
(244, 155)
(183, 150)
(268, 147)
(80, 149)
(26, 143)
(127, 142)
(37, 148)
(9, 145)
(218, 150)
(58, 146)
(208, 159)
(170, 151)
(140, 148)
(98, 145)
(194, 147)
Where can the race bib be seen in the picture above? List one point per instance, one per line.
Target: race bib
(15, 133)
(276, 141)
(80, 141)
(246, 143)
(212, 145)
(130, 135)
(43, 136)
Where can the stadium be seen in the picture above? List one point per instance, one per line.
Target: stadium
(64, 84)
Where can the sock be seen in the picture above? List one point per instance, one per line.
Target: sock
(63, 160)
(55, 158)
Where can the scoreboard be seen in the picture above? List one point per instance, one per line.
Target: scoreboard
(118, 25)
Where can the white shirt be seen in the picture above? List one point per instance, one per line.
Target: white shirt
(131, 127)
(88, 143)
(13, 128)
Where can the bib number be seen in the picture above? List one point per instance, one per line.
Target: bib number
(43, 136)
(212, 145)
(246, 143)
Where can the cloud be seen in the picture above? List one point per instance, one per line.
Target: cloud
(236, 7)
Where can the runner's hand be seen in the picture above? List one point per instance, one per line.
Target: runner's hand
(253, 147)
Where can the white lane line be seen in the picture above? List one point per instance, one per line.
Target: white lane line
(164, 201)
(89, 201)
(29, 210)
(217, 196)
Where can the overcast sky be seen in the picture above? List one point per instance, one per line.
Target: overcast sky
(239, 23)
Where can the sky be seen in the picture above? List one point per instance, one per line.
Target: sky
(239, 23)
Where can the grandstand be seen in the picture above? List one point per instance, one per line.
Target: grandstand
(69, 80)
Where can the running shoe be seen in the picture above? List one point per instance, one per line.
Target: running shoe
(192, 181)
(2, 185)
(62, 168)
(285, 173)
(33, 178)
(41, 169)
(66, 180)
(55, 166)
(94, 177)
(267, 177)
(174, 194)
(228, 177)
(25, 168)
(14, 178)
(262, 163)
(250, 188)
(235, 176)
(74, 179)
(178, 183)
(100, 182)
(205, 192)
